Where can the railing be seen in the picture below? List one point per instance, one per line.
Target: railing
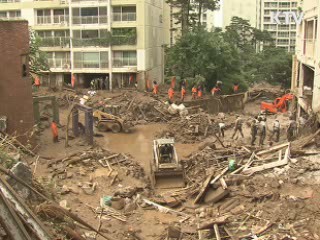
(61, 63)
(93, 42)
(124, 40)
(43, 19)
(124, 17)
(124, 62)
(90, 19)
(309, 47)
(55, 42)
(60, 19)
(90, 64)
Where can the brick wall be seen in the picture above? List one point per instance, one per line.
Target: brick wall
(15, 89)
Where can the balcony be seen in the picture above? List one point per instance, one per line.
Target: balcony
(124, 40)
(61, 19)
(124, 62)
(124, 17)
(59, 63)
(42, 20)
(90, 20)
(93, 42)
(90, 64)
(55, 42)
(309, 48)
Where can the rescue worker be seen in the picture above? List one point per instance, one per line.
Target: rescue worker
(235, 88)
(254, 130)
(183, 93)
(222, 127)
(73, 81)
(275, 130)
(216, 91)
(262, 132)
(238, 127)
(155, 88)
(37, 83)
(194, 92)
(94, 84)
(131, 80)
(200, 91)
(291, 130)
(171, 94)
(54, 130)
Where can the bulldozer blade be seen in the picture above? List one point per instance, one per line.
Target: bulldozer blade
(169, 181)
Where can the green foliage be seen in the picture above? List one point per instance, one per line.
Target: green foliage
(37, 59)
(229, 56)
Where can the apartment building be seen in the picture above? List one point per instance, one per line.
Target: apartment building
(246, 9)
(118, 40)
(284, 34)
(306, 65)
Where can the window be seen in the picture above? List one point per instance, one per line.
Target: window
(43, 16)
(283, 34)
(44, 34)
(3, 14)
(89, 34)
(270, 4)
(284, 4)
(294, 4)
(124, 58)
(204, 17)
(283, 41)
(124, 13)
(267, 19)
(14, 14)
(91, 59)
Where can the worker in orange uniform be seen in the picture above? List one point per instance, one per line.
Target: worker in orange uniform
(37, 83)
(194, 92)
(73, 81)
(199, 91)
(54, 129)
(183, 93)
(235, 88)
(155, 88)
(216, 91)
(171, 94)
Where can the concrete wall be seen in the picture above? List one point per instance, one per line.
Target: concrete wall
(15, 89)
(227, 103)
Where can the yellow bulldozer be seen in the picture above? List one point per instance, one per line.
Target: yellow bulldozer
(108, 122)
(166, 169)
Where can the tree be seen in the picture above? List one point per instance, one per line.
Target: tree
(207, 54)
(37, 59)
(205, 4)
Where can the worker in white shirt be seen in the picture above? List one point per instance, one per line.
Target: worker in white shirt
(263, 132)
(222, 127)
(275, 130)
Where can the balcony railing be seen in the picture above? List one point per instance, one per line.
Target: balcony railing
(90, 64)
(309, 48)
(43, 20)
(124, 62)
(55, 42)
(60, 63)
(93, 42)
(124, 39)
(90, 19)
(60, 19)
(124, 17)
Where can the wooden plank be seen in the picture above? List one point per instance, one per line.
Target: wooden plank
(220, 175)
(203, 190)
(223, 183)
(216, 231)
(273, 149)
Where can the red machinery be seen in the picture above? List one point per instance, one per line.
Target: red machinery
(279, 105)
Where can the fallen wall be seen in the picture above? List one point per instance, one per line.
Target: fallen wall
(226, 103)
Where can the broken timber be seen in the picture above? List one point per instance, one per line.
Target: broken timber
(203, 189)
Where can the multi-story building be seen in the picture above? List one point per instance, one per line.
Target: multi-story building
(306, 65)
(246, 9)
(116, 40)
(284, 33)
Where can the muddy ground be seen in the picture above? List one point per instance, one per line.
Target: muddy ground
(285, 197)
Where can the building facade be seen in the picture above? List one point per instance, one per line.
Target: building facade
(246, 9)
(16, 104)
(116, 40)
(306, 65)
(284, 33)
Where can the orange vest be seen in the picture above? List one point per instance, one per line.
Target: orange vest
(54, 129)
(37, 81)
(183, 92)
(73, 81)
(131, 79)
(199, 93)
(236, 88)
(156, 89)
(194, 90)
(171, 93)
